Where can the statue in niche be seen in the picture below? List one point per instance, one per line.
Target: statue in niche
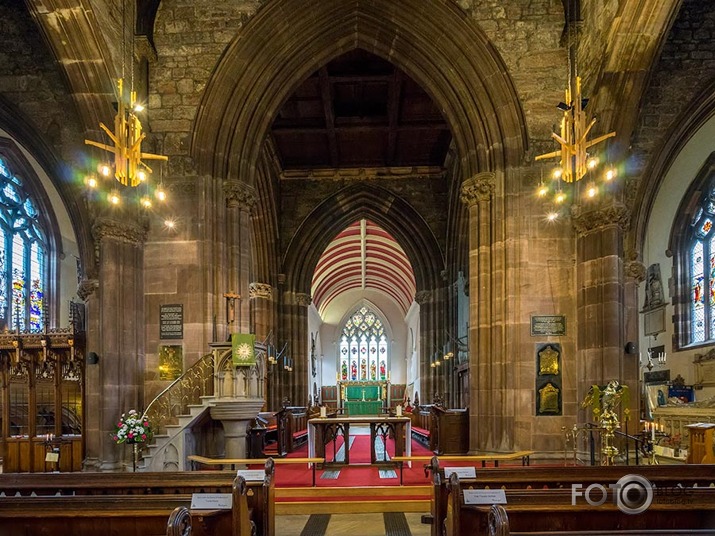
(653, 288)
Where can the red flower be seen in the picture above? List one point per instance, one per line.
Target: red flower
(130, 435)
(143, 436)
(115, 438)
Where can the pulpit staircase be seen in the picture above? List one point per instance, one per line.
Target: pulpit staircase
(211, 381)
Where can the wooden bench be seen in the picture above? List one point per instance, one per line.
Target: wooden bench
(297, 427)
(499, 526)
(175, 489)
(100, 514)
(529, 479)
(235, 462)
(543, 510)
(179, 523)
(523, 455)
(421, 422)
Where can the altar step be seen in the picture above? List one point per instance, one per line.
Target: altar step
(343, 500)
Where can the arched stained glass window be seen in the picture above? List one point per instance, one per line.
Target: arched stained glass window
(701, 270)
(23, 257)
(363, 348)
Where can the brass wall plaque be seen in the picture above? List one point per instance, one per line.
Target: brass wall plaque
(549, 400)
(548, 361)
(548, 325)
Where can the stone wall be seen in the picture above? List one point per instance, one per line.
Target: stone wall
(31, 81)
(686, 65)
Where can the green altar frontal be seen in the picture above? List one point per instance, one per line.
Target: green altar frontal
(358, 407)
(362, 400)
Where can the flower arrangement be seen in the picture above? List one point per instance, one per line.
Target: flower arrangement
(132, 428)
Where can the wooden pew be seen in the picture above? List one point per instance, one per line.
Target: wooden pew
(421, 418)
(152, 495)
(539, 478)
(297, 427)
(449, 431)
(499, 526)
(542, 511)
(523, 455)
(179, 523)
(92, 515)
(234, 463)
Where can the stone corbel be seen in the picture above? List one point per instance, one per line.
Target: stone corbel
(239, 194)
(260, 290)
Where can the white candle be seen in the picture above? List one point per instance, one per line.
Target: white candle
(652, 432)
(399, 411)
(323, 412)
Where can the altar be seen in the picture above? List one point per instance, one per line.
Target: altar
(363, 398)
(324, 430)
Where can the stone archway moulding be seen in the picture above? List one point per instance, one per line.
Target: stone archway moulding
(434, 42)
(699, 112)
(334, 214)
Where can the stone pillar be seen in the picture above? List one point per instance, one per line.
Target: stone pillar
(260, 297)
(87, 292)
(601, 296)
(120, 341)
(491, 425)
(432, 337)
(235, 416)
(294, 385)
(635, 274)
(240, 200)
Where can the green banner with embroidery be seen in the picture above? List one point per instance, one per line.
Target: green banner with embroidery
(243, 349)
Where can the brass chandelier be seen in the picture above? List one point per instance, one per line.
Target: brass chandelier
(575, 159)
(128, 166)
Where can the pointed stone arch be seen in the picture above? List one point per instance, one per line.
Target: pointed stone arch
(383, 207)
(434, 42)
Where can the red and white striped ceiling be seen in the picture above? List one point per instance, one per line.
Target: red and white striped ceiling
(363, 256)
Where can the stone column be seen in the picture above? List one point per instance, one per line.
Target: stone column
(261, 300)
(87, 292)
(491, 425)
(294, 385)
(601, 297)
(432, 337)
(635, 274)
(120, 341)
(240, 200)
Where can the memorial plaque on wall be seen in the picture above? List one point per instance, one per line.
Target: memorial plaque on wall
(548, 325)
(548, 379)
(171, 321)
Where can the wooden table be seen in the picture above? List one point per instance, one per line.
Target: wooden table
(322, 431)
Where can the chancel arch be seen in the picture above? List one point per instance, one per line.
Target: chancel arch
(398, 218)
(259, 71)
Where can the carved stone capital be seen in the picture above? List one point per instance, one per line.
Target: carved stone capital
(635, 270)
(303, 299)
(259, 290)
(478, 188)
(130, 232)
(423, 296)
(239, 194)
(86, 288)
(586, 221)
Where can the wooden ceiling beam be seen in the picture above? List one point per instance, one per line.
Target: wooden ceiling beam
(326, 94)
(393, 114)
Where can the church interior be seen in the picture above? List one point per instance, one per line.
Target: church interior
(346, 233)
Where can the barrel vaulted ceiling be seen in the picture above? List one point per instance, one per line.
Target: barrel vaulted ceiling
(364, 256)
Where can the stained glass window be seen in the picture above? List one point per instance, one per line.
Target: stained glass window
(701, 271)
(363, 348)
(23, 257)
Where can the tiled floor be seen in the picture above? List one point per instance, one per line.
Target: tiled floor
(352, 524)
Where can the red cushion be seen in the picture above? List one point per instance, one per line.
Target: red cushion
(300, 434)
(420, 431)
